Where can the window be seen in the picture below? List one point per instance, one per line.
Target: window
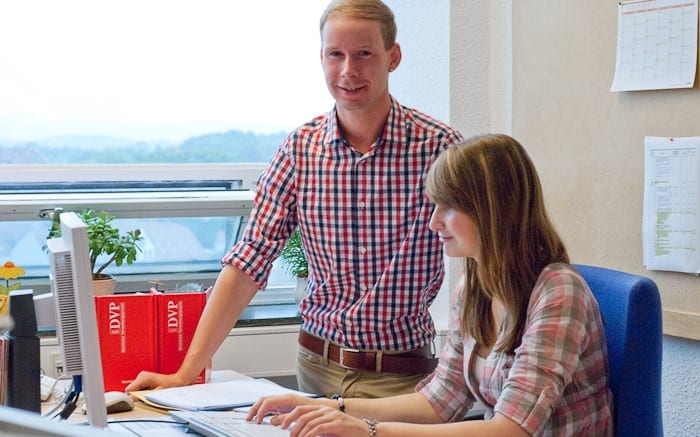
(136, 81)
(149, 91)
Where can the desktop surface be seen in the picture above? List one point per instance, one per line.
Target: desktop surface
(146, 419)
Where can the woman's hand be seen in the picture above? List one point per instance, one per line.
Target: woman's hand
(321, 420)
(278, 405)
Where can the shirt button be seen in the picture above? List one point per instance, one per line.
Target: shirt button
(363, 250)
(363, 287)
(362, 205)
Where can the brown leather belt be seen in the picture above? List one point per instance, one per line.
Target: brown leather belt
(419, 361)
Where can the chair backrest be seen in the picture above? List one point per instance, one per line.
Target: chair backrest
(631, 309)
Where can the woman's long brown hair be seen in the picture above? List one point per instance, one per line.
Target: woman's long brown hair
(493, 180)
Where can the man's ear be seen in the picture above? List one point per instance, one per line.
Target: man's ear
(395, 57)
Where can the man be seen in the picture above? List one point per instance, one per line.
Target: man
(352, 181)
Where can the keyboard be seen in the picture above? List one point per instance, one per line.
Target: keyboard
(225, 424)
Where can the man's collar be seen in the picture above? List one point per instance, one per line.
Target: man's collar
(396, 117)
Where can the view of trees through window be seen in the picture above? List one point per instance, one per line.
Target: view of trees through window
(231, 146)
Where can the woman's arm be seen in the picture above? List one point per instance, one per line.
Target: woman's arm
(409, 407)
(401, 416)
(311, 421)
(412, 407)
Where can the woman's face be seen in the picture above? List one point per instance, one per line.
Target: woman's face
(457, 232)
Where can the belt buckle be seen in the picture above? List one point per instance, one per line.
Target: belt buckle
(341, 357)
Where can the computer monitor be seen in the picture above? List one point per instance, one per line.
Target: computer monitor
(76, 322)
(20, 423)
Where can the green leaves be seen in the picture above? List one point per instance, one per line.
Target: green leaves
(104, 239)
(293, 258)
(6, 289)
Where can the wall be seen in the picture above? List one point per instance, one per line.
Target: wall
(589, 141)
(588, 145)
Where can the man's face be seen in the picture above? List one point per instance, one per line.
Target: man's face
(356, 64)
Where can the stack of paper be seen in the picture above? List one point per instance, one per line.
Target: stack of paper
(225, 395)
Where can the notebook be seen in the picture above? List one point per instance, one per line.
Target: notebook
(226, 424)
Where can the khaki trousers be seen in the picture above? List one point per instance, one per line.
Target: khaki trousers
(316, 374)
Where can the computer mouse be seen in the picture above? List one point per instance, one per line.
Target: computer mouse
(118, 401)
(115, 402)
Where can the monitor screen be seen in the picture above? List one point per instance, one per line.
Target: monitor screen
(76, 323)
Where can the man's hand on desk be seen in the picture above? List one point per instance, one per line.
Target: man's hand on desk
(151, 380)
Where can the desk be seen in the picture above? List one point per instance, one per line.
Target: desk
(142, 410)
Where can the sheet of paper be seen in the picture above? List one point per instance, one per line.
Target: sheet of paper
(656, 44)
(216, 376)
(670, 224)
(218, 395)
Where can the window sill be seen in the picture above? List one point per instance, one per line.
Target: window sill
(269, 315)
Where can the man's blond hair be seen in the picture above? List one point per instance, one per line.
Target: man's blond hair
(374, 10)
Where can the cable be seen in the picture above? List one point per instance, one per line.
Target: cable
(66, 393)
(71, 401)
(70, 406)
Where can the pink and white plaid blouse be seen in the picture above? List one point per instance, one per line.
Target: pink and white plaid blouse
(556, 384)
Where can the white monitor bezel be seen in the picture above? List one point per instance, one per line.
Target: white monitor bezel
(79, 310)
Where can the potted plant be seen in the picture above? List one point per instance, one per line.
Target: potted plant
(294, 261)
(103, 240)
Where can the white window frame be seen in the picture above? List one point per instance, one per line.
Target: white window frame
(18, 207)
(247, 172)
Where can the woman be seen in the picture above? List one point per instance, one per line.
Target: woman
(526, 336)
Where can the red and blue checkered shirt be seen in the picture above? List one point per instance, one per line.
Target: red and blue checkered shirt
(374, 266)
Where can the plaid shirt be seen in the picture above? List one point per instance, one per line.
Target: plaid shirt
(556, 383)
(374, 266)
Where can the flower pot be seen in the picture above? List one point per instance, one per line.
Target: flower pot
(103, 285)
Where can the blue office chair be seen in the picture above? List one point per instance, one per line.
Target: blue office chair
(631, 309)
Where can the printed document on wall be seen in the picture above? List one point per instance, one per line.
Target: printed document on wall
(656, 44)
(670, 223)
